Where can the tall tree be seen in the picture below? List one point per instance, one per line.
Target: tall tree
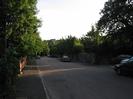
(117, 22)
(116, 15)
(18, 34)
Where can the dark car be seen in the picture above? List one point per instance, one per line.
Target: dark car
(119, 58)
(65, 59)
(125, 67)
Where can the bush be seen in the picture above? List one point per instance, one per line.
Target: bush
(8, 72)
(87, 57)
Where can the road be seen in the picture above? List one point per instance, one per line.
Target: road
(68, 80)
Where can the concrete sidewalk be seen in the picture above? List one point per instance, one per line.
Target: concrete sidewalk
(29, 86)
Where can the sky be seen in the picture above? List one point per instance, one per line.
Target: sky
(61, 18)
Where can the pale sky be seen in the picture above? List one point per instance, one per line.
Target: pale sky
(61, 18)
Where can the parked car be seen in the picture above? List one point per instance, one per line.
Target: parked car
(119, 58)
(125, 67)
(124, 60)
(65, 58)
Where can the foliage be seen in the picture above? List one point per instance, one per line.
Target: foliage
(70, 46)
(31, 44)
(18, 19)
(52, 47)
(116, 15)
(18, 32)
(92, 40)
(117, 22)
(8, 72)
(45, 48)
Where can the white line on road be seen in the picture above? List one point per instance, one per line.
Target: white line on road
(56, 70)
(43, 84)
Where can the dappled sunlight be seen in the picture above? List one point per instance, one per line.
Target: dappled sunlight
(28, 73)
(58, 71)
(34, 71)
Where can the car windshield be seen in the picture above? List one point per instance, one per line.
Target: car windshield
(131, 59)
(124, 56)
(124, 61)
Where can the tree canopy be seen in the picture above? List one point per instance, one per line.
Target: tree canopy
(117, 23)
(18, 37)
(69, 46)
(117, 18)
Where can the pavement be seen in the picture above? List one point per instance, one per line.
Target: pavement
(29, 85)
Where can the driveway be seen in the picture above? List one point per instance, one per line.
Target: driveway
(69, 80)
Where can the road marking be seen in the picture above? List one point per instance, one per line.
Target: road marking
(43, 84)
(56, 70)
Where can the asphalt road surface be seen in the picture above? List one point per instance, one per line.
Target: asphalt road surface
(68, 80)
